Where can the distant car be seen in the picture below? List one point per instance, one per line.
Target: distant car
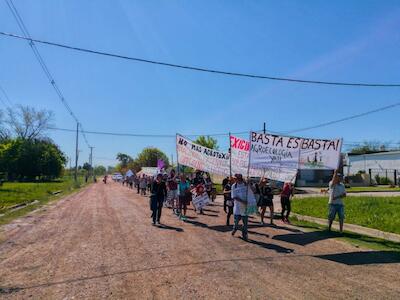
(117, 177)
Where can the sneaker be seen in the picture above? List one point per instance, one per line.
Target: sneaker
(245, 238)
(153, 223)
(262, 222)
(233, 232)
(158, 222)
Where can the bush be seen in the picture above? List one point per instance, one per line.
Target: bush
(31, 159)
(382, 180)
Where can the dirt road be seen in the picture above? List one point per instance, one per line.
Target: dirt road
(100, 244)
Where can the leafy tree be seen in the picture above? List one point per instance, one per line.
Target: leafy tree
(30, 159)
(99, 170)
(149, 156)
(134, 165)
(124, 159)
(87, 166)
(208, 142)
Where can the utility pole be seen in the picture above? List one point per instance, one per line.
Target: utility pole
(91, 162)
(76, 153)
(70, 167)
(265, 128)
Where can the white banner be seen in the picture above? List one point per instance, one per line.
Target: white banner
(282, 156)
(240, 158)
(277, 156)
(199, 201)
(320, 154)
(201, 158)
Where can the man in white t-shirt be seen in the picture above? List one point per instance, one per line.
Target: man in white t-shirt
(239, 196)
(337, 192)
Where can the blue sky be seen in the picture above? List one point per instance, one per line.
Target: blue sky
(318, 40)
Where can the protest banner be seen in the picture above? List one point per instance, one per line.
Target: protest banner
(275, 156)
(282, 156)
(251, 206)
(201, 158)
(200, 200)
(320, 153)
(240, 157)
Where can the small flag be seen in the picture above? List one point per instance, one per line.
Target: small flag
(160, 164)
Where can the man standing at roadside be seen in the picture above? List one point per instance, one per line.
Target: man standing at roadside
(239, 196)
(337, 192)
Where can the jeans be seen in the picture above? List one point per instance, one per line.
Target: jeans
(156, 215)
(229, 213)
(285, 202)
(244, 219)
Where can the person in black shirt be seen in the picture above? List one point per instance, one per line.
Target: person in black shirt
(265, 199)
(158, 194)
(225, 182)
(228, 202)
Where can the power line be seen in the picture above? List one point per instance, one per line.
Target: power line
(6, 97)
(345, 118)
(199, 69)
(349, 143)
(40, 59)
(143, 135)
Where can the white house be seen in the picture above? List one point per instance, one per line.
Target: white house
(384, 164)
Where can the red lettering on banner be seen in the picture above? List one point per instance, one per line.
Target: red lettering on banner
(240, 144)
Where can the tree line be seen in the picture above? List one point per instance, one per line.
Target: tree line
(149, 156)
(26, 153)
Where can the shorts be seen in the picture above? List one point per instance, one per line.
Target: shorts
(336, 209)
(172, 194)
(264, 201)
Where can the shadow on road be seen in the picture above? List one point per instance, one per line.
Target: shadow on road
(258, 233)
(211, 210)
(304, 238)
(363, 258)
(162, 226)
(210, 215)
(277, 248)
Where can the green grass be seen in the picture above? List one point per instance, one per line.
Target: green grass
(218, 187)
(382, 213)
(373, 189)
(355, 239)
(13, 193)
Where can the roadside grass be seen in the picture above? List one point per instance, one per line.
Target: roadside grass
(218, 187)
(378, 188)
(355, 239)
(14, 193)
(382, 213)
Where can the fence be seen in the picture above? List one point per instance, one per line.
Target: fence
(384, 176)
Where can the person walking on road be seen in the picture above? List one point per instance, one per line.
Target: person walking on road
(158, 194)
(143, 185)
(185, 196)
(228, 202)
(265, 199)
(337, 192)
(286, 194)
(239, 196)
(172, 197)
